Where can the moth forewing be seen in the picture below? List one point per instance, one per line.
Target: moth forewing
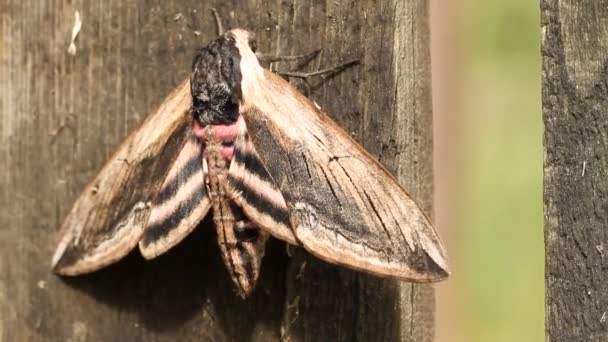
(344, 206)
(109, 217)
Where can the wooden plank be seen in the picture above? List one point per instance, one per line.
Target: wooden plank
(62, 115)
(575, 107)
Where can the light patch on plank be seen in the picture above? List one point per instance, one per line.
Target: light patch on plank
(75, 31)
(79, 332)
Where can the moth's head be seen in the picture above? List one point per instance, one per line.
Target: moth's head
(217, 77)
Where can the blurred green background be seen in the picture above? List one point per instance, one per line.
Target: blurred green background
(488, 161)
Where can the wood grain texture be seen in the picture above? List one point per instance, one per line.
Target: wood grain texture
(62, 116)
(575, 108)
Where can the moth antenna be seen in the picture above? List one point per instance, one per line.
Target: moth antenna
(218, 22)
(265, 58)
(322, 72)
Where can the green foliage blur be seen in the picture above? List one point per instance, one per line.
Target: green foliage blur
(499, 265)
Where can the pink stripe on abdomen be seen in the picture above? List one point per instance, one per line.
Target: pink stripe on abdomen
(225, 133)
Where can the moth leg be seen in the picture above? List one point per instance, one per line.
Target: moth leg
(305, 76)
(246, 231)
(265, 58)
(323, 72)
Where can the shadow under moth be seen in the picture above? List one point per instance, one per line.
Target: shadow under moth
(240, 142)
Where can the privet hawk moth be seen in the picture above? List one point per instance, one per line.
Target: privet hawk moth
(241, 143)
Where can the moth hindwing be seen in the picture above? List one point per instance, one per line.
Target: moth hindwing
(247, 146)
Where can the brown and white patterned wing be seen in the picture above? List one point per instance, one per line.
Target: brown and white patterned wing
(109, 217)
(343, 205)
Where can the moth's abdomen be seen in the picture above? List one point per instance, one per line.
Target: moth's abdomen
(242, 245)
(241, 242)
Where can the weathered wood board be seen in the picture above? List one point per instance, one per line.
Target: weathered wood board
(62, 116)
(575, 111)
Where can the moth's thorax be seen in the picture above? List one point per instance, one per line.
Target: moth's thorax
(249, 65)
(221, 72)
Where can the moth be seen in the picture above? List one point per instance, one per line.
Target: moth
(240, 143)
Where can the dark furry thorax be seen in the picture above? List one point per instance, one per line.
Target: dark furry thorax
(216, 82)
